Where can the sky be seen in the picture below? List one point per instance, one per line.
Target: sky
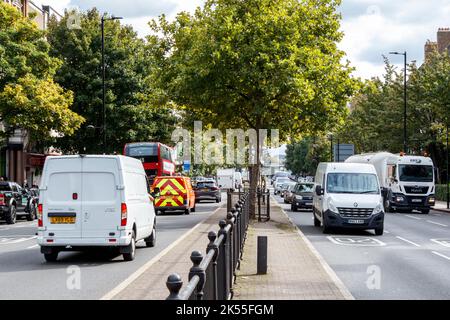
(372, 28)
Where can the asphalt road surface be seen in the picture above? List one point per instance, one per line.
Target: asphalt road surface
(24, 274)
(410, 261)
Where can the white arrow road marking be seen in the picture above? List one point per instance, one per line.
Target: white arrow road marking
(406, 240)
(412, 217)
(441, 255)
(437, 223)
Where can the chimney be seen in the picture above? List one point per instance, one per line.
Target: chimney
(443, 39)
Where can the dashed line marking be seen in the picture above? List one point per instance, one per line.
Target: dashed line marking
(33, 246)
(412, 217)
(437, 223)
(441, 255)
(409, 241)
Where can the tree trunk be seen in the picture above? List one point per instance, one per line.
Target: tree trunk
(254, 179)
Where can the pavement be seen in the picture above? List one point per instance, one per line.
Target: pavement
(26, 275)
(441, 206)
(411, 260)
(149, 283)
(295, 269)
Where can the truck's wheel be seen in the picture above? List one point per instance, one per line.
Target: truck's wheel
(51, 257)
(129, 256)
(151, 241)
(187, 211)
(193, 209)
(11, 216)
(425, 211)
(387, 207)
(379, 231)
(326, 228)
(293, 208)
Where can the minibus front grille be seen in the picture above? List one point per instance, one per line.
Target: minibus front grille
(355, 212)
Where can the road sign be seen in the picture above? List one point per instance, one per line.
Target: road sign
(186, 165)
(343, 151)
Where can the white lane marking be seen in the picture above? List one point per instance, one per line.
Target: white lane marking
(437, 223)
(406, 240)
(441, 255)
(386, 231)
(121, 286)
(33, 246)
(436, 214)
(442, 242)
(412, 217)
(15, 239)
(356, 241)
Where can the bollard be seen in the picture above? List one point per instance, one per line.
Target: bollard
(262, 255)
(174, 285)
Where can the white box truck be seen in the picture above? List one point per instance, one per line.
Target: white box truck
(225, 178)
(94, 201)
(407, 182)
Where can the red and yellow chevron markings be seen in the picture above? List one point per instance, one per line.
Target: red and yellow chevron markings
(172, 192)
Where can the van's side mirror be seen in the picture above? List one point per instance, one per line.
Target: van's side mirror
(319, 190)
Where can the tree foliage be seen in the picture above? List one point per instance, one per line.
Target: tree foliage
(135, 109)
(29, 99)
(303, 157)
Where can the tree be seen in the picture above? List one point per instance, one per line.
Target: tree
(303, 157)
(29, 99)
(135, 109)
(257, 64)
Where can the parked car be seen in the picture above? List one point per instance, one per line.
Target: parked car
(348, 195)
(207, 190)
(287, 193)
(15, 202)
(94, 201)
(302, 196)
(279, 174)
(279, 182)
(174, 193)
(285, 186)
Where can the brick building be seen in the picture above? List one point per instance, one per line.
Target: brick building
(441, 44)
(19, 160)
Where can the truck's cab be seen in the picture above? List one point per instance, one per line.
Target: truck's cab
(410, 184)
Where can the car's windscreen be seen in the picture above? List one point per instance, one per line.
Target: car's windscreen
(147, 153)
(5, 187)
(352, 183)
(416, 173)
(305, 187)
(206, 184)
(282, 181)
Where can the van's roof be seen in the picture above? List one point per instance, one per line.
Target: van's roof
(349, 167)
(123, 160)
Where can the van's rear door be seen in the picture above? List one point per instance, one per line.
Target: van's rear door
(61, 198)
(101, 197)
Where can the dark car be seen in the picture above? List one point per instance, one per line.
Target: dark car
(16, 201)
(302, 196)
(207, 190)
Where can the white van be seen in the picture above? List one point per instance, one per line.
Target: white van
(348, 195)
(94, 201)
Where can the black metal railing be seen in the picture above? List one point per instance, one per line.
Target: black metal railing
(263, 204)
(212, 276)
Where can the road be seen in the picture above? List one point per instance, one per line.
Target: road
(410, 261)
(26, 275)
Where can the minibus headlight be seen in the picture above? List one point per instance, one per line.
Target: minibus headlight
(377, 209)
(332, 207)
(399, 199)
(431, 200)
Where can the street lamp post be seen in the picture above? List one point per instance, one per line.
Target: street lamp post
(331, 147)
(104, 76)
(448, 188)
(404, 98)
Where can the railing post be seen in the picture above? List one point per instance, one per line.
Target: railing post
(223, 259)
(268, 205)
(196, 258)
(174, 285)
(212, 236)
(231, 245)
(229, 199)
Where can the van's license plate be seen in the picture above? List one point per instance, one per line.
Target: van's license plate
(62, 220)
(355, 221)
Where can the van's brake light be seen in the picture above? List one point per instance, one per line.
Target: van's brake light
(124, 214)
(40, 223)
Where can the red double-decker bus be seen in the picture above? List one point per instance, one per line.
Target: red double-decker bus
(156, 158)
